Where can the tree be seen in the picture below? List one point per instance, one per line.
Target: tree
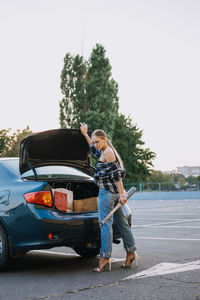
(102, 93)
(73, 106)
(91, 96)
(10, 144)
(89, 92)
(176, 177)
(191, 180)
(4, 141)
(158, 176)
(182, 182)
(160, 181)
(127, 140)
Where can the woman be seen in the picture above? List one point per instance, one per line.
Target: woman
(108, 176)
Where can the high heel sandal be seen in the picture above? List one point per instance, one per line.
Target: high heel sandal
(130, 257)
(103, 262)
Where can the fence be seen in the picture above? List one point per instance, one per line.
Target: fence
(163, 186)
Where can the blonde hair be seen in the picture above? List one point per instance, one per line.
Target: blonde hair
(101, 134)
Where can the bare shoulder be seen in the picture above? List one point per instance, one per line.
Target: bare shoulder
(109, 155)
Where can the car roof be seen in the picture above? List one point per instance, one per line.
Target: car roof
(8, 158)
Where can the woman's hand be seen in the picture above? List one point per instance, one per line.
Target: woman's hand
(123, 199)
(83, 128)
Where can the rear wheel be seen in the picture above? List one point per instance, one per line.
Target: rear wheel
(87, 252)
(4, 249)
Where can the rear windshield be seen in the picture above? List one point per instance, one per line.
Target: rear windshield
(56, 172)
(49, 172)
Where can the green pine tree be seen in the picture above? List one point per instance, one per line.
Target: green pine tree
(90, 93)
(5, 141)
(127, 139)
(102, 92)
(73, 105)
(91, 96)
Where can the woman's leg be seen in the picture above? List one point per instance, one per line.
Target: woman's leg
(121, 222)
(105, 205)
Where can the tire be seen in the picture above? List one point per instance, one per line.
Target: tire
(4, 249)
(87, 252)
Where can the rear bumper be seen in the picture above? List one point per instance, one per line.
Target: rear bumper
(66, 230)
(72, 230)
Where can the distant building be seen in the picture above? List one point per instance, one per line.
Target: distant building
(186, 171)
(189, 171)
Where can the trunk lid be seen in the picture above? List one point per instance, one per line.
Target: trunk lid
(65, 147)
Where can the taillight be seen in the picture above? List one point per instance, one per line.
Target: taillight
(43, 197)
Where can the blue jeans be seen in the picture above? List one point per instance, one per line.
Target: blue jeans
(107, 201)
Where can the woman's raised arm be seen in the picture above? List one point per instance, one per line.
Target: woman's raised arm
(83, 129)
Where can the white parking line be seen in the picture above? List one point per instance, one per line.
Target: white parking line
(136, 218)
(167, 223)
(166, 209)
(165, 213)
(163, 226)
(71, 254)
(165, 268)
(54, 252)
(173, 213)
(164, 238)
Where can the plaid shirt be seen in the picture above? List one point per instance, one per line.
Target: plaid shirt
(107, 173)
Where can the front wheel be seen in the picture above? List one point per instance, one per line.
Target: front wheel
(4, 249)
(87, 252)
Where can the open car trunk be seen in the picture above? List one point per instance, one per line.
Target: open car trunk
(57, 149)
(74, 196)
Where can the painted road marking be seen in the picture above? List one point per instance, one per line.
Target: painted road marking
(165, 226)
(164, 213)
(163, 238)
(167, 223)
(54, 252)
(164, 209)
(136, 218)
(157, 270)
(71, 254)
(165, 268)
(171, 214)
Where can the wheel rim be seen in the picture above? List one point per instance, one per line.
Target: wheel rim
(0, 246)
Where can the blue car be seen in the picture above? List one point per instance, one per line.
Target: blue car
(31, 216)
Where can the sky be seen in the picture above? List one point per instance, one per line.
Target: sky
(154, 50)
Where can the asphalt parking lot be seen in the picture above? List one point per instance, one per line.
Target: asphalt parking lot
(167, 235)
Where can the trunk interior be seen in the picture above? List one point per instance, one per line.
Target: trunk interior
(85, 195)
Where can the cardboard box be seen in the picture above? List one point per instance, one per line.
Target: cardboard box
(87, 204)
